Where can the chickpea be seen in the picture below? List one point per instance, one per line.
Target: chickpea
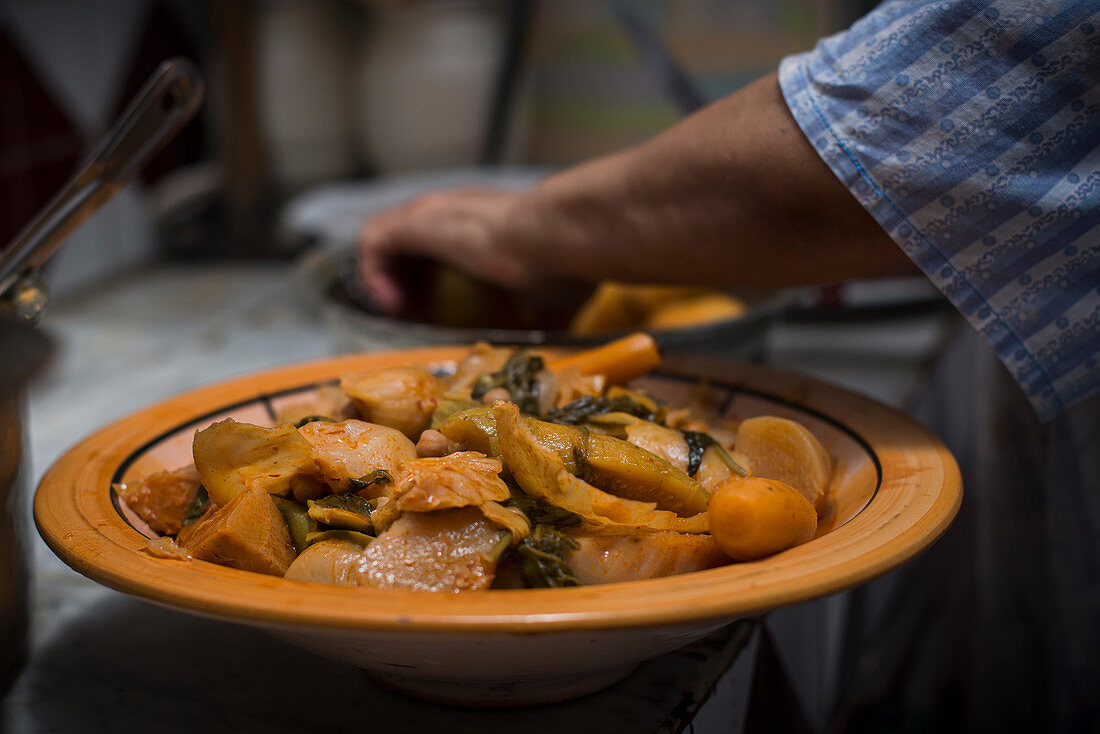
(433, 443)
(497, 394)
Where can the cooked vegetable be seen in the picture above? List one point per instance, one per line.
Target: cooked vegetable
(313, 419)
(611, 464)
(778, 448)
(612, 487)
(344, 511)
(519, 377)
(248, 533)
(607, 559)
(540, 557)
(698, 443)
(368, 480)
(541, 512)
(165, 500)
(197, 507)
(465, 478)
(448, 407)
(349, 536)
(327, 402)
(298, 522)
(451, 550)
(620, 361)
(755, 517)
(482, 359)
(583, 409)
(233, 457)
(349, 451)
(327, 562)
(700, 309)
(540, 471)
(398, 397)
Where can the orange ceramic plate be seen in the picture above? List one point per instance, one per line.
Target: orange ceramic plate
(895, 490)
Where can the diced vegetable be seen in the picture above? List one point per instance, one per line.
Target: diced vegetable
(248, 533)
(755, 517)
(163, 500)
(778, 448)
(608, 559)
(451, 550)
(234, 457)
(620, 361)
(403, 398)
(327, 562)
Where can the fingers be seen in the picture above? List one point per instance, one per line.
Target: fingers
(462, 228)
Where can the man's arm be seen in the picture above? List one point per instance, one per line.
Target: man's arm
(733, 195)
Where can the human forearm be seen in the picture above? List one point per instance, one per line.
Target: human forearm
(732, 195)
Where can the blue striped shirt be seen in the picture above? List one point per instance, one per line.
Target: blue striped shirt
(970, 130)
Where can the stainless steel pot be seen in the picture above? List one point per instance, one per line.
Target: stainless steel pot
(23, 351)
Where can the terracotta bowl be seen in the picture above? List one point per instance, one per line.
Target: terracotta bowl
(895, 490)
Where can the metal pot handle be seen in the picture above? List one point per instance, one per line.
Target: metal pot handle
(157, 113)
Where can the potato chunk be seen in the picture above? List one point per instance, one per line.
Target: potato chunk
(778, 448)
(162, 499)
(234, 457)
(327, 562)
(608, 559)
(249, 533)
(399, 397)
(451, 550)
(755, 517)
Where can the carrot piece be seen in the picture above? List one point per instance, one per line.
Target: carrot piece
(619, 361)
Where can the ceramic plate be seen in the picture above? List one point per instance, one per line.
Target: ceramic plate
(895, 490)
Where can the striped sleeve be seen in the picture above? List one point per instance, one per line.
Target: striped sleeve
(970, 130)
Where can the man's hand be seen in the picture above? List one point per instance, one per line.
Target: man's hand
(733, 195)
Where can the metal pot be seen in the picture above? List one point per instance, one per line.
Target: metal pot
(24, 350)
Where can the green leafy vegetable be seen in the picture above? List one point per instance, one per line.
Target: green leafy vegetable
(540, 558)
(588, 406)
(343, 511)
(348, 535)
(541, 512)
(518, 378)
(378, 476)
(196, 508)
(698, 443)
(298, 521)
(312, 419)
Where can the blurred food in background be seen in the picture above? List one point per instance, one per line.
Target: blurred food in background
(622, 307)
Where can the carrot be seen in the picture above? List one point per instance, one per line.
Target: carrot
(619, 361)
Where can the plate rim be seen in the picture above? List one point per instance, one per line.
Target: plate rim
(919, 494)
